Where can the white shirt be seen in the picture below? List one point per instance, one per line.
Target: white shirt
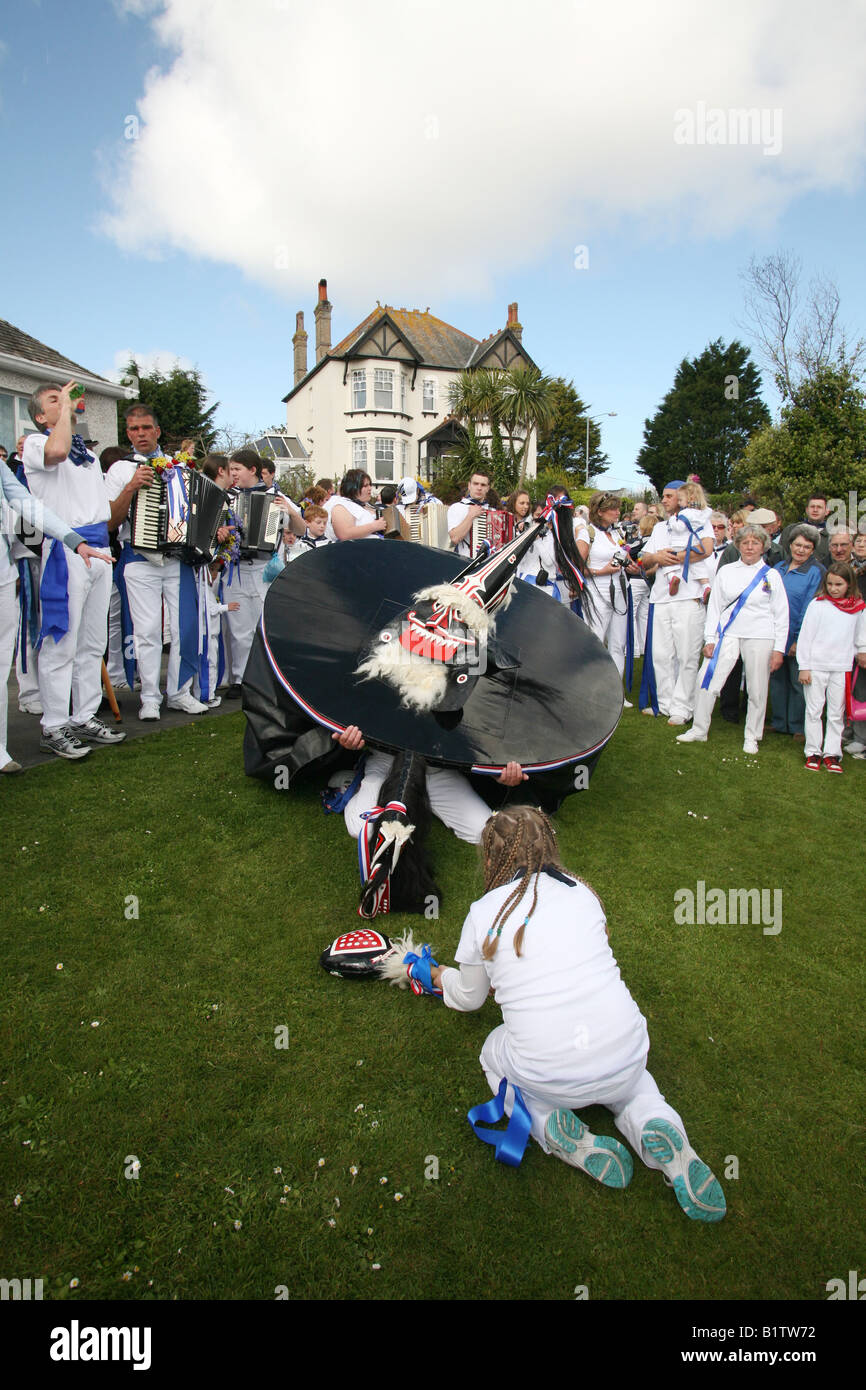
(665, 536)
(765, 612)
(362, 516)
(456, 517)
(829, 638)
(78, 494)
(568, 1015)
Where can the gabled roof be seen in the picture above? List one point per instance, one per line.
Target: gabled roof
(433, 342)
(19, 344)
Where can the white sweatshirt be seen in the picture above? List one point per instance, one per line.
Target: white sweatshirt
(829, 638)
(765, 612)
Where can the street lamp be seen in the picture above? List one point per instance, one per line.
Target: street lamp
(606, 414)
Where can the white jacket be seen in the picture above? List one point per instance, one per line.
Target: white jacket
(829, 638)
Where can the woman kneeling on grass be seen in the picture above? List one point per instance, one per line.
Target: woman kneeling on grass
(572, 1035)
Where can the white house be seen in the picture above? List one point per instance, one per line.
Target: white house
(379, 400)
(24, 363)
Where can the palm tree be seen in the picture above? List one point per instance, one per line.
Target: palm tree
(515, 401)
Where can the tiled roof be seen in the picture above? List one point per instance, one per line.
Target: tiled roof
(20, 344)
(436, 343)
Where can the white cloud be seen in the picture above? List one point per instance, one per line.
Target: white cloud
(160, 360)
(413, 146)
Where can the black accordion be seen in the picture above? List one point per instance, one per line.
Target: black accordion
(177, 516)
(261, 522)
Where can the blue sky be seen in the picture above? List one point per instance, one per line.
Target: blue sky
(257, 132)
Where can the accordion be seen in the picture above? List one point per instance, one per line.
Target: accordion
(490, 531)
(179, 514)
(425, 524)
(260, 521)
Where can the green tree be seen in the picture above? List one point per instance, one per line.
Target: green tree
(818, 444)
(706, 419)
(180, 402)
(562, 443)
(499, 411)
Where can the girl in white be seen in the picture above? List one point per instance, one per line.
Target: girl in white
(608, 615)
(571, 1033)
(756, 630)
(350, 516)
(833, 631)
(692, 515)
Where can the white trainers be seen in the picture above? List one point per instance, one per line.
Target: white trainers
(605, 1159)
(187, 704)
(149, 710)
(627, 704)
(750, 746)
(697, 1189)
(29, 707)
(854, 747)
(691, 737)
(63, 743)
(94, 731)
(217, 700)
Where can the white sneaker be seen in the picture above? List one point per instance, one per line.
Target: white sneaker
(854, 747)
(149, 710)
(217, 700)
(187, 704)
(627, 704)
(691, 737)
(676, 723)
(750, 746)
(34, 707)
(695, 1186)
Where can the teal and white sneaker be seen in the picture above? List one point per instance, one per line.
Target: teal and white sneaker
(606, 1160)
(697, 1190)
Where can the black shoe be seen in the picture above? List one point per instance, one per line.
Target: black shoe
(232, 692)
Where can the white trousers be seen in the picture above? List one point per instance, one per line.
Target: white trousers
(640, 593)
(114, 659)
(452, 799)
(247, 589)
(632, 1096)
(8, 628)
(72, 667)
(826, 686)
(755, 653)
(608, 623)
(678, 635)
(148, 588)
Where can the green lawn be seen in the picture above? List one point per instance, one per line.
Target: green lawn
(757, 1039)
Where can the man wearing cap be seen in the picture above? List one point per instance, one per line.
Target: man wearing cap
(675, 631)
(760, 516)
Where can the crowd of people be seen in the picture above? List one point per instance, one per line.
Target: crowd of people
(669, 582)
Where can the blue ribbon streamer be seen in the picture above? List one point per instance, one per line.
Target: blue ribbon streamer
(693, 536)
(188, 604)
(127, 557)
(334, 800)
(720, 631)
(648, 694)
(54, 589)
(629, 639)
(509, 1144)
(28, 600)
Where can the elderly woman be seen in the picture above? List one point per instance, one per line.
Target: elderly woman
(747, 617)
(801, 575)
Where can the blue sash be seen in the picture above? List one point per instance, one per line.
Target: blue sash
(189, 633)
(648, 694)
(720, 631)
(54, 589)
(693, 536)
(509, 1144)
(127, 557)
(28, 599)
(629, 640)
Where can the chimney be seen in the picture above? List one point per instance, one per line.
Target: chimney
(323, 322)
(515, 326)
(300, 345)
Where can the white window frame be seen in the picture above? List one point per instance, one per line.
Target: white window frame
(383, 381)
(359, 387)
(404, 456)
(429, 394)
(403, 392)
(382, 448)
(359, 454)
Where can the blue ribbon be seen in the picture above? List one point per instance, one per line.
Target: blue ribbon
(509, 1144)
(693, 536)
(54, 589)
(334, 800)
(629, 639)
(28, 599)
(128, 556)
(420, 968)
(188, 604)
(648, 694)
(720, 631)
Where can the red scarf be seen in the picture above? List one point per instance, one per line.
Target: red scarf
(845, 605)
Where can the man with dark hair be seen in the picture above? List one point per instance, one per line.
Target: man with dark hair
(151, 579)
(327, 486)
(816, 513)
(462, 514)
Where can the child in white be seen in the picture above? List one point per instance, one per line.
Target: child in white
(833, 631)
(215, 609)
(692, 515)
(571, 1034)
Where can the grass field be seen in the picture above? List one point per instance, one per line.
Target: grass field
(246, 1148)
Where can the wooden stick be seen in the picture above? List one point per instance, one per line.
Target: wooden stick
(109, 694)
